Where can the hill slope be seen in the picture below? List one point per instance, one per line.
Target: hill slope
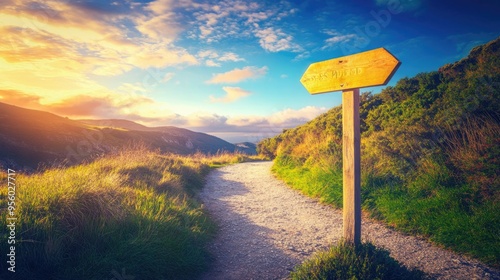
(430, 154)
(193, 141)
(30, 137)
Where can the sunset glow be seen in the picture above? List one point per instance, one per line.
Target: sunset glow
(230, 68)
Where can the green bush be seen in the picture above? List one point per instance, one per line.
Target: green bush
(345, 261)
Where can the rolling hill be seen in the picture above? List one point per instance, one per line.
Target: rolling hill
(31, 137)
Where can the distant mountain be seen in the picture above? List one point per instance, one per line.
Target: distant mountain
(193, 141)
(247, 148)
(31, 137)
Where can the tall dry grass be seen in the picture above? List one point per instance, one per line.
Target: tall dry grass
(474, 151)
(130, 212)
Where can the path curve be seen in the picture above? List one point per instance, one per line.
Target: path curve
(266, 228)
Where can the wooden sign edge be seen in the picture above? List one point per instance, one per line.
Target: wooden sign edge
(389, 77)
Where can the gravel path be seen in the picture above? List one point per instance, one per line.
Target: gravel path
(267, 228)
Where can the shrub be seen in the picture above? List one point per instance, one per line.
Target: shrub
(345, 261)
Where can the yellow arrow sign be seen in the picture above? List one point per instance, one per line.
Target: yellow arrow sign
(366, 69)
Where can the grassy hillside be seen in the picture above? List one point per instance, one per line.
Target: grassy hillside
(127, 214)
(30, 137)
(430, 155)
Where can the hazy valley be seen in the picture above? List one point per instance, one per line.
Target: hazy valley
(30, 137)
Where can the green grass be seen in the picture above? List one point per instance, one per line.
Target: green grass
(324, 184)
(430, 205)
(130, 214)
(345, 261)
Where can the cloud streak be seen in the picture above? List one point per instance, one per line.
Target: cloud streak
(238, 75)
(214, 59)
(232, 94)
(252, 128)
(337, 38)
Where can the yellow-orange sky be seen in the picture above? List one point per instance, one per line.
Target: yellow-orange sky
(225, 67)
(48, 55)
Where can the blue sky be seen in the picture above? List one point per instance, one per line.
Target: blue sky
(228, 68)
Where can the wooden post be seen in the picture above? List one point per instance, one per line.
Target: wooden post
(349, 74)
(351, 166)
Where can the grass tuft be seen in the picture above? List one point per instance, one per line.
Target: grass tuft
(345, 261)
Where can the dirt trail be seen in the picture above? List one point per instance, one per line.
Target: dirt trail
(267, 228)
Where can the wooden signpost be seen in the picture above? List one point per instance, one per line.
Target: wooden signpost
(349, 73)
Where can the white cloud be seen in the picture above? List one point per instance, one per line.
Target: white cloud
(337, 38)
(290, 117)
(213, 59)
(248, 121)
(163, 27)
(240, 19)
(275, 40)
(208, 54)
(232, 94)
(287, 118)
(159, 57)
(160, 7)
(211, 63)
(230, 56)
(203, 119)
(302, 55)
(205, 31)
(257, 16)
(253, 128)
(340, 38)
(168, 76)
(238, 75)
(216, 8)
